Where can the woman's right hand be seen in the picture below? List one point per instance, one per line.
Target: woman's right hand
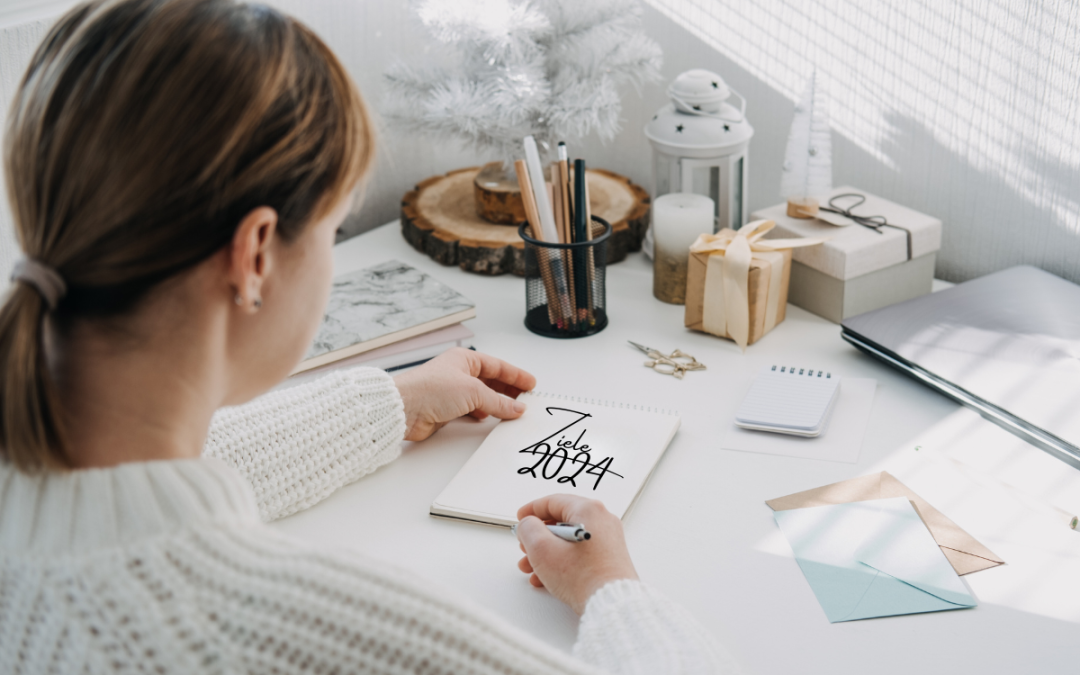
(572, 572)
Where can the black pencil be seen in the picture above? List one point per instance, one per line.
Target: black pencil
(581, 225)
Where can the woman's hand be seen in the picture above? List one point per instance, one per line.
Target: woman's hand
(456, 383)
(572, 572)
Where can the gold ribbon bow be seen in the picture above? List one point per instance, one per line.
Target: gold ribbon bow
(727, 285)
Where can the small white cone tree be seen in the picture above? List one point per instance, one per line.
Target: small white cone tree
(807, 174)
(499, 70)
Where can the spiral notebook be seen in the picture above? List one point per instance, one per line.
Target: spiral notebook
(788, 400)
(582, 446)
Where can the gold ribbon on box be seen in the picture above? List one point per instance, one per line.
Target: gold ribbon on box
(727, 285)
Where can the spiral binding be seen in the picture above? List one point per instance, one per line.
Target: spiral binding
(809, 371)
(607, 404)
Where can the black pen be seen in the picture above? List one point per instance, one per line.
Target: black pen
(581, 225)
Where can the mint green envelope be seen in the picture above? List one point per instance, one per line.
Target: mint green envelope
(871, 559)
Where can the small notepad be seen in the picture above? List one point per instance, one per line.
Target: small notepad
(789, 400)
(596, 449)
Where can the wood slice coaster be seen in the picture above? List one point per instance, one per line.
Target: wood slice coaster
(439, 219)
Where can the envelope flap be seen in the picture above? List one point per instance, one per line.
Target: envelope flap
(946, 532)
(824, 541)
(859, 489)
(900, 545)
(965, 563)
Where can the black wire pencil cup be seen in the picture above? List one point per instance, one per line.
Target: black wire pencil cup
(565, 291)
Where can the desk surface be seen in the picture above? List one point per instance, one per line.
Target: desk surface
(701, 531)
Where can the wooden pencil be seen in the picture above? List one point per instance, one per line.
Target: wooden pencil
(533, 216)
(569, 215)
(564, 235)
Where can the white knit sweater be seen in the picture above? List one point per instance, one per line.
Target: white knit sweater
(167, 567)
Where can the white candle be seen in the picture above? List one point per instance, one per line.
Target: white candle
(678, 219)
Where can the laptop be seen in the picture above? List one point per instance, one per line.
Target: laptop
(1006, 345)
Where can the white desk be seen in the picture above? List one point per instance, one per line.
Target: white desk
(701, 531)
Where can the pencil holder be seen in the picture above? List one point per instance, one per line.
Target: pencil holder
(565, 293)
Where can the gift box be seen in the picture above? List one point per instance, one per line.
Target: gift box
(737, 282)
(859, 268)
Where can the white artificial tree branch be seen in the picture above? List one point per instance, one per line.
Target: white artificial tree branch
(508, 68)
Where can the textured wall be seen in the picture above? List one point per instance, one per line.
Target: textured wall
(17, 43)
(965, 110)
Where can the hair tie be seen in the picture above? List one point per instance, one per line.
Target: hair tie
(44, 279)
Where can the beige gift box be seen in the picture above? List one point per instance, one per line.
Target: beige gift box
(761, 270)
(737, 282)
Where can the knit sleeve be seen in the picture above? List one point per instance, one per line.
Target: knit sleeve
(296, 446)
(306, 611)
(632, 629)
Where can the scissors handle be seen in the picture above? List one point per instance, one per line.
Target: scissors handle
(671, 363)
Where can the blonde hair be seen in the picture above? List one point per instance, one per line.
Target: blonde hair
(141, 134)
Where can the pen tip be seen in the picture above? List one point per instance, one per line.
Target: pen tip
(587, 535)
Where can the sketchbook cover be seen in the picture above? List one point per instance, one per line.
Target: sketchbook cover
(381, 305)
(570, 445)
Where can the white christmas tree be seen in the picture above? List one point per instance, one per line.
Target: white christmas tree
(503, 69)
(807, 175)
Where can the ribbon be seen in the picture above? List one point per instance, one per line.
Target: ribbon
(875, 223)
(727, 276)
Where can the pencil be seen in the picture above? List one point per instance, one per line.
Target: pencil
(592, 261)
(565, 230)
(581, 232)
(573, 256)
(565, 168)
(529, 201)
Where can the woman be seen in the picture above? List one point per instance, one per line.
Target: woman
(177, 170)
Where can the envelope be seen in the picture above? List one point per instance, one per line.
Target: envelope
(872, 559)
(963, 551)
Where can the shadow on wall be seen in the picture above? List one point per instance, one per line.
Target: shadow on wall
(962, 111)
(989, 223)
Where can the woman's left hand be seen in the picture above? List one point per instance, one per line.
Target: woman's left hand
(456, 383)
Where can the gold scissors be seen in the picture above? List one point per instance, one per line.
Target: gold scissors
(677, 363)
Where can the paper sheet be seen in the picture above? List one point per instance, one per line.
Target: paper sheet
(901, 546)
(840, 442)
(562, 444)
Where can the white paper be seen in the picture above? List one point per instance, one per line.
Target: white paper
(561, 444)
(900, 545)
(840, 442)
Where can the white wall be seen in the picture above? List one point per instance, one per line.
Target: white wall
(961, 109)
(964, 109)
(18, 39)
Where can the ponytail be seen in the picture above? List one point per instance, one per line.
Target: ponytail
(30, 431)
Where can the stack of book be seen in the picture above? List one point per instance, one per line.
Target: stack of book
(390, 316)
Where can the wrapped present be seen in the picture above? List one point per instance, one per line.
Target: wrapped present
(879, 253)
(737, 282)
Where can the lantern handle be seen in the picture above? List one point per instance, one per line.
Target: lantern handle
(689, 109)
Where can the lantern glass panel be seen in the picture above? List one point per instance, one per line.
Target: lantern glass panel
(662, 174)
(705, 180)
(737, 195)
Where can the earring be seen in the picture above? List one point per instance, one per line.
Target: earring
(238, 299)
(257, 303)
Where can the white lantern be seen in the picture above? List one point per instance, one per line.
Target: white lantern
(700, 144)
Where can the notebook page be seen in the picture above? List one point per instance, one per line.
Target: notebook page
(561, 444)
(787, 399)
